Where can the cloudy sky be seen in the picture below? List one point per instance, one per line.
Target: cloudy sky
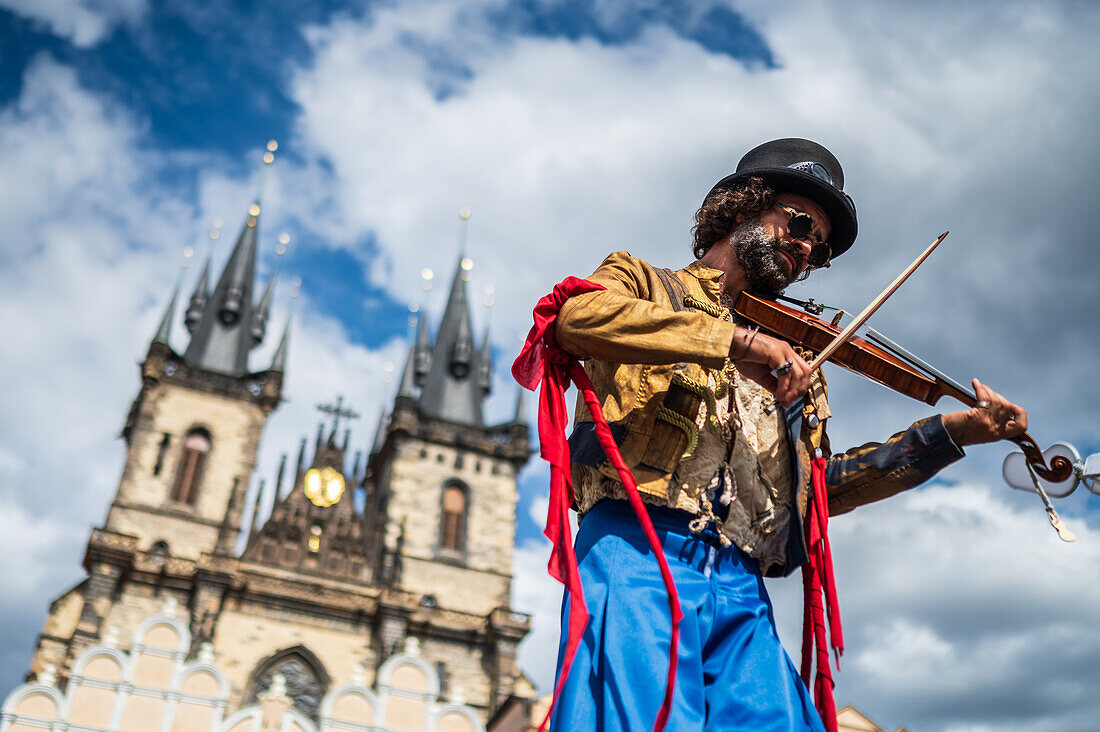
(129, 128)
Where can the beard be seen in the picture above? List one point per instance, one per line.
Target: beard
(758, 253)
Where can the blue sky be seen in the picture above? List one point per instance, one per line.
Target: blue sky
(571, 129)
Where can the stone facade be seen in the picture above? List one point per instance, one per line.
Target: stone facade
(303, 627)
(153, 686)
(168, 408)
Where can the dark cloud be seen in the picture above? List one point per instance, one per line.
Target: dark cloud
(963, 610)
(713, 25)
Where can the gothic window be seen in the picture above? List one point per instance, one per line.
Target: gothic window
(453, 529)
(196, 448)
(306, 680)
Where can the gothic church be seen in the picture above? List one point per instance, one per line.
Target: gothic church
(394, 615)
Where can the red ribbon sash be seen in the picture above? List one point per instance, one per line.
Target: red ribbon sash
(818, 581)
(543, 361)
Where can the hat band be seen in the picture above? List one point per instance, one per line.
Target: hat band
(817, 170)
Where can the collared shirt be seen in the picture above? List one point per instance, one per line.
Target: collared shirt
(636, 344)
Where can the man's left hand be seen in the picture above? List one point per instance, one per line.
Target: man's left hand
(999, 421)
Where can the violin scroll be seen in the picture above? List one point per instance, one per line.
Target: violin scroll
(1061, 467)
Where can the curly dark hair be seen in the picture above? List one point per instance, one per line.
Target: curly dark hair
(717, 217)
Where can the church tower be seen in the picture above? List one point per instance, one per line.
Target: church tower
(194, 428)
(191, 434)
(441, 506)
(370, 594)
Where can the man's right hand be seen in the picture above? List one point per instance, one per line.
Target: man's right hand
(760, 357)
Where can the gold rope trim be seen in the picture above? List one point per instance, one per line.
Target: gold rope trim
(683, 424)
(715, 311)
(701, 391)
(722, 379)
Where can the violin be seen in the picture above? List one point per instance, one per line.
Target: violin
(895, 368)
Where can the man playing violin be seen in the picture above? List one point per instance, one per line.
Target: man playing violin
(723, 427)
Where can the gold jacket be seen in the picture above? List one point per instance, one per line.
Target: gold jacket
(647, 355)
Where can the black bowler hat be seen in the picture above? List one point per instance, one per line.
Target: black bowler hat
(794, 165)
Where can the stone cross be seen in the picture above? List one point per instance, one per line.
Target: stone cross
(337, 411)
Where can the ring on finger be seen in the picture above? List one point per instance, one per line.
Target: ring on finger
(783, 369)
(983, 404)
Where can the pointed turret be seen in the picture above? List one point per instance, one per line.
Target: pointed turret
(259, 318)
(408, 376)
(485, 365)
(199, 298)
(300, 468)
(422, 353)
(520, 416)
(462, 350)
(164, 330)
(281, 473)
(278, 361)
(256, 505)
(451, 388)
(223, 336)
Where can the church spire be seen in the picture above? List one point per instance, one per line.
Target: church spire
(520, 416)
(408, 375)
(422, 353)
(223, 335)
(164, 330)
(278, 361)
(198, 299)
(450, 389)
(485, 365)
(259, 318)
(462, 350)
(222, 338)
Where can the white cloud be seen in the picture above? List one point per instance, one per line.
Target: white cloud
(614, 148)
(27, 544)
(85, 269)
(83, 22)
(568, 150)
(92, 241)
(84, 233)
(960, 607)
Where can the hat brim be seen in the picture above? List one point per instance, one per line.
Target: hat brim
(837, 206)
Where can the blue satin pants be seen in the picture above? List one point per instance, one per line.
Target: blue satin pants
(733, 675)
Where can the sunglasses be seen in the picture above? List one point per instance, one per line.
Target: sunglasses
(799, 227)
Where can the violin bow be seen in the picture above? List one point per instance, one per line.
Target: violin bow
(875, 304)
(1060, 468)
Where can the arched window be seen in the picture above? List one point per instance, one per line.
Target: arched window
(196, 448)
(306, 679)
(452, 538)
